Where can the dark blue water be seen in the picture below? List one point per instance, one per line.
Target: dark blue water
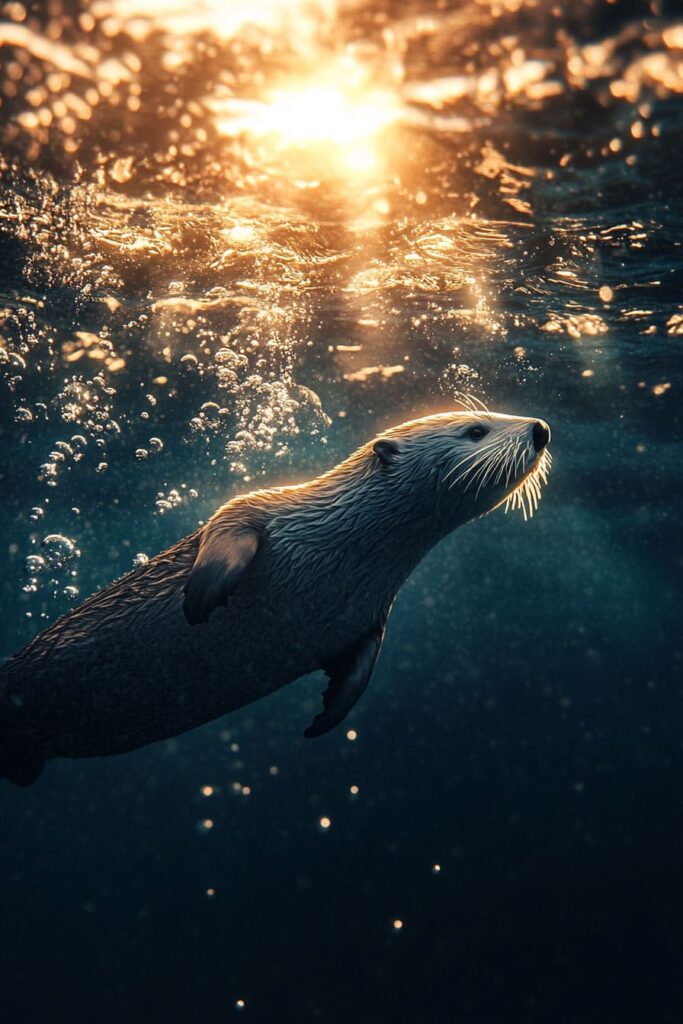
(192, 305)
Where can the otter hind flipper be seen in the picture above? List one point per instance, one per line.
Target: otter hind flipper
(349, 674)
(225, 551)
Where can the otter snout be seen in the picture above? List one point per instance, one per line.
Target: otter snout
(540, 435)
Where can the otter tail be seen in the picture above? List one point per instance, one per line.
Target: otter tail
(21, 762)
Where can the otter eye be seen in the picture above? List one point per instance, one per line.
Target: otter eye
(476, 433)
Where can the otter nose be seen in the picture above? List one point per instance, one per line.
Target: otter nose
(540, 435)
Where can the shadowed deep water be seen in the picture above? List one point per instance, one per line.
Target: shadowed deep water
(193, 305)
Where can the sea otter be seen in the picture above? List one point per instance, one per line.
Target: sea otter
(277, 584)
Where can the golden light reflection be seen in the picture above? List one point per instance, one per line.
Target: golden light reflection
(325, 113)
(319, 115)
(222, 18)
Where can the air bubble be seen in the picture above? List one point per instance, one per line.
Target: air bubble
(58, 550)
(34, 564)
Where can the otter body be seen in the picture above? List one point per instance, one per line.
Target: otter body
(277, 584)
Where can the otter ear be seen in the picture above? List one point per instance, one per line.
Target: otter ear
(225, 552)
(386, 450)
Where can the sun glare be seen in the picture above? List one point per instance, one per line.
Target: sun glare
(325, 113)
(316, 116)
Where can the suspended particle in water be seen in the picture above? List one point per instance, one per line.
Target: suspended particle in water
(141, 453)
(156, 444)
(140, 559)
(436, 869)
(240, 1004)
(36, 513)
(397, 924)
(325, 823)
(351, 735)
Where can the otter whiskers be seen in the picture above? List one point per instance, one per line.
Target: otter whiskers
(528, 492)
(471, 402)
(480, 464)
(478, 455)
(498, 459)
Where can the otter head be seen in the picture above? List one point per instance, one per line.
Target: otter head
(467, 463)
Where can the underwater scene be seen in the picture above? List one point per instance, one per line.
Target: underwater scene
(238, 241)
